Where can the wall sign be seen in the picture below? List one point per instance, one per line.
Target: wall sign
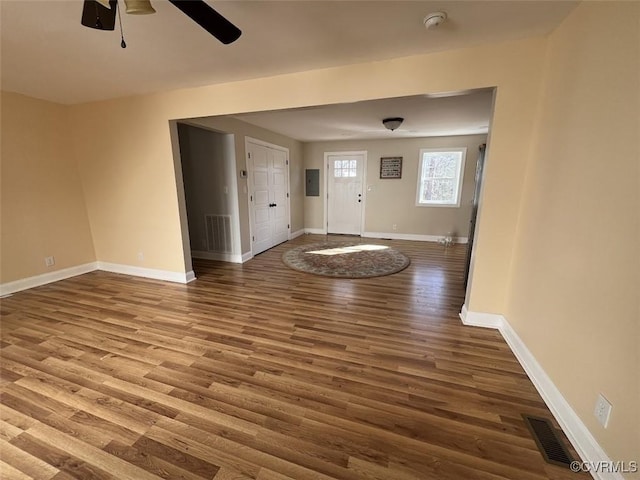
(391, 167)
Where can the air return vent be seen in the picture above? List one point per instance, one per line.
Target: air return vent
(218, 233)
(548, 440)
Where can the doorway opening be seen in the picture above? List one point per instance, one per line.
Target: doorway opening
(207, 160)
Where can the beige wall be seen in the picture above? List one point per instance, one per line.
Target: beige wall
(43, 209)
(390, 202)
(126, 160)
(575, 281)
(241, 130)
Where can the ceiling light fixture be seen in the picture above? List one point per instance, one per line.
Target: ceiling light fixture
(139, 7)
(434, 19)
(392, 123)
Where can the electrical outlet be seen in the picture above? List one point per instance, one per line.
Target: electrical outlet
(141, 256)
(603, 410)
(49, 261)
(395, 227)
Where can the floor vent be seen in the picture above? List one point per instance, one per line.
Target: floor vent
(218, 233)
(548, 440)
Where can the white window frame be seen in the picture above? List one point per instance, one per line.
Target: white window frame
(462, 150)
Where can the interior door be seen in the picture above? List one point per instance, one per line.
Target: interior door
(278, 193)
(474, 210)
(268, 196)
(344, 189)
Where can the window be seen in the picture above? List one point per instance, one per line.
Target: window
(345, 168)
(440, 177)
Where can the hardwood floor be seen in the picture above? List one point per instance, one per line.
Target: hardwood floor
(258, 371)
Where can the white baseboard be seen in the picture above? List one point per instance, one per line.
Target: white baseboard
(412, 236)
(315, 231)
(580, 437)
(49, 277)
(177, 277)
(247, 256)
(296, 234)
(221, 257)
(476, 319)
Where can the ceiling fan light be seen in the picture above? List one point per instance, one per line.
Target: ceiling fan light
(392, 123)
(139, 7)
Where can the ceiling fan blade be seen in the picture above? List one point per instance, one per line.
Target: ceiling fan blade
(96, 15)
(209, 19)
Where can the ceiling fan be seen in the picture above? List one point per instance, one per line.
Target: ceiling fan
(101, 14)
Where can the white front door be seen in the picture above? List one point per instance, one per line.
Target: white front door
(268, 196)
(345, 195)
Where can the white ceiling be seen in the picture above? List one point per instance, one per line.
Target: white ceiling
(425, 116)
(47, 54)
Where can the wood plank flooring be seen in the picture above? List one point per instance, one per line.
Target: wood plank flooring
(257, 371)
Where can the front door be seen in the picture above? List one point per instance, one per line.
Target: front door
(345, 193)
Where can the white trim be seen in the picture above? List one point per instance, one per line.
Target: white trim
(477, 319)
(51, 277)
(246, 257)
(315, 231)
(576, 431)
(296, 234)
(411, 236)
(45, 278)
(177, 277)
(218, 256)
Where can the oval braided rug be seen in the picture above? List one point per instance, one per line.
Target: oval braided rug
(346, 259)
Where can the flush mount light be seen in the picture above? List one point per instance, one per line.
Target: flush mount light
(392, 123)
(139, 7)
(434, 19)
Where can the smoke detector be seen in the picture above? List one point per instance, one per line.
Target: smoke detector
(434, 19)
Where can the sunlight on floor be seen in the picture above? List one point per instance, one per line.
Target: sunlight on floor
(353, 249)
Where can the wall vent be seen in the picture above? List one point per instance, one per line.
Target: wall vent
(218, 233)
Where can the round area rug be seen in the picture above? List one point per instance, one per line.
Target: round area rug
(346, 259)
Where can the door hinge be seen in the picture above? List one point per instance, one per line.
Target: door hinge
(288, 226)
(249, 155)
(253, 239)
(287, 162)
(287, 195)
(251, 198)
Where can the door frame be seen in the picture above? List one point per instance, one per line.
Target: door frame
(256, 141)
(325, 220)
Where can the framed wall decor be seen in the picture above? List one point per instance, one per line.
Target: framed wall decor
(390, 167)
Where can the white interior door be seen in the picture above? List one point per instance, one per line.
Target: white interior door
(268, 196)
(278, 192)
(345, 196)
(260, 198)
